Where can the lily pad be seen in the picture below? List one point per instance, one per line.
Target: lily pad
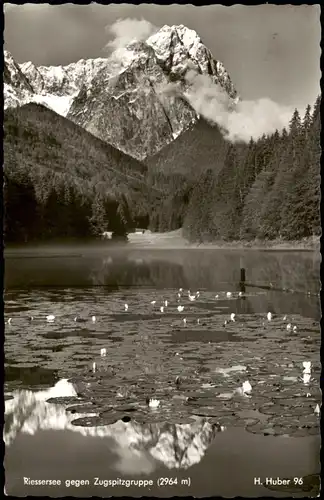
(96, 421)
(265, 428)
(292, 426)
(303, 421)
(126, 408)
(205, 402)
(293, 402)
(285, 410)
(90, 408)
(224, 396)
(209, 411)
(180, 419)
(306, 431)
(225, 420)
(64, 400)
(282, 392)
(152, 417)
(243, 422)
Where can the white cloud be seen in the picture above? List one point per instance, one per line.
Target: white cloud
(247, 119)
(129, 30)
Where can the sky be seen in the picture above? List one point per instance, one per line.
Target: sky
(270, 51)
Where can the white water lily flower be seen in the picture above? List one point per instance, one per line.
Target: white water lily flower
(247, 388)
(306, 378)
(307, 366)
(154, 403)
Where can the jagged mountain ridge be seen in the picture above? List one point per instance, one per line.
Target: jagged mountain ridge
(16, 86)
(125, 99)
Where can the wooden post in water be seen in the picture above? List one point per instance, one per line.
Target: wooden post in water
(242, 280)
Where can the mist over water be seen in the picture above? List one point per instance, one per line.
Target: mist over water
(131, 265)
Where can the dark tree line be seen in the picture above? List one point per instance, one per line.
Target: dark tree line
(63, 211)
(267, 189)
(62, 183)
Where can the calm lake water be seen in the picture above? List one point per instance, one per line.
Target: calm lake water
(66, 422)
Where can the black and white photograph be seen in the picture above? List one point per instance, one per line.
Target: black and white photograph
(161, 255)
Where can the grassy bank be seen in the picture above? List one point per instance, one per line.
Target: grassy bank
(175, 239)
(305, 244)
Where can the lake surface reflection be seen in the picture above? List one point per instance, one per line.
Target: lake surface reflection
(71, 422)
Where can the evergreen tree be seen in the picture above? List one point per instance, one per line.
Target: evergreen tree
(98, 220)
(317, 106)
(295, 123)
(307, 121)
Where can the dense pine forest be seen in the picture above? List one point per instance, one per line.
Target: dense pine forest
(267, 189)
(60, 182)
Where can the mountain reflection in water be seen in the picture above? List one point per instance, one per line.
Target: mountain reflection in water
(37, 449)
(177, 446)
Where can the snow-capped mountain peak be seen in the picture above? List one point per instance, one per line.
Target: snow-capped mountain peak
(179, 49)
(16, 89)
(13, 74)
(62, 79)
(162, 40)
(136, 99)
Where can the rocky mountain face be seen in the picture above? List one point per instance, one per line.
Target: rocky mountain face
(134, 99)
(17, 89)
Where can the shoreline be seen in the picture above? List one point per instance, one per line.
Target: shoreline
(274, 246)
(175, 240)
